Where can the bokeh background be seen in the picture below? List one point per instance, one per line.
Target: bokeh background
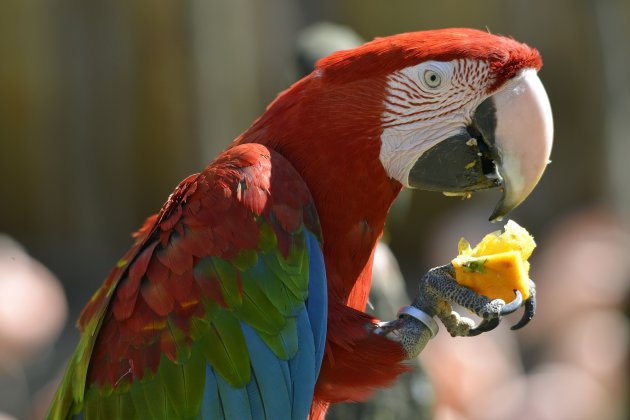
(106, 105)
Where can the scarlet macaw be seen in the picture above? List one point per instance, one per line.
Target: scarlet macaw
(244, 296)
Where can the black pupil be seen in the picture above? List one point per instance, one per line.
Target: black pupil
(433, 77)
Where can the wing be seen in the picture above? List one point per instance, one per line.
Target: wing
(218, 311)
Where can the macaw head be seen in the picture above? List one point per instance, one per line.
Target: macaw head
(450, 110)
(459, 110)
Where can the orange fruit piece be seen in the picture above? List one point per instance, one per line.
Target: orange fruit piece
(498, 264)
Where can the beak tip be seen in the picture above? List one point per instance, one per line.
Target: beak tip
(495, 218)
(498, 214)
(506, 204)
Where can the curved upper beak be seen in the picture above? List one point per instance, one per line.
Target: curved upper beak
(522, 138)
(507, 145)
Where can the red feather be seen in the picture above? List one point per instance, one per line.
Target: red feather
(156, 295)
(136, 271)
(289, 218)
(175, 257)
(122, 307)
(199, 241)
(181, 288)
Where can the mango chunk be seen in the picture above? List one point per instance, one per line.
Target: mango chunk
(498, 264)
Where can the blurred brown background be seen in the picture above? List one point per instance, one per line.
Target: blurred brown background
(106, 105)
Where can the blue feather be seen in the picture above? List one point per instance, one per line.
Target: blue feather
(211, 405)
(268, 379)
(317, 302)
(302, 367)
(286, 373)
(255, 398)
(234, 401)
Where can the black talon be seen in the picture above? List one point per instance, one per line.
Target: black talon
(484, 326)
(514, 305)
(530, 310)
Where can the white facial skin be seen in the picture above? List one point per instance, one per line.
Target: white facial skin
(426, 104)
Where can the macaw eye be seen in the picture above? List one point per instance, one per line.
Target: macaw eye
(432, 79)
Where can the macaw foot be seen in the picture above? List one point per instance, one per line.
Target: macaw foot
(438, 290)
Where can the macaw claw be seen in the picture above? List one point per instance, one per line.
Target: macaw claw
(484, 326)
(514, 305)
(488, 324)
(528, 314)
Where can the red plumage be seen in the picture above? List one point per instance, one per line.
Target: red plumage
(386, 55)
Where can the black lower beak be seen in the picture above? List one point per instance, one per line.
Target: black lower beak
(462, 163)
